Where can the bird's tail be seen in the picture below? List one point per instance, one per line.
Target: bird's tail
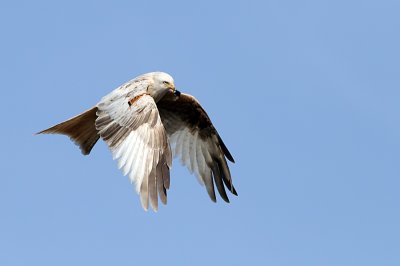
(81, 129)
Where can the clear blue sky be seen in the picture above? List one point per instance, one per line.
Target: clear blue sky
(304, 93)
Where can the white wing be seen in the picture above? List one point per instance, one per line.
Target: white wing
(129, 122)
(194, 139)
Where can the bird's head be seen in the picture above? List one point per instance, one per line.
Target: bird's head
(162, 83)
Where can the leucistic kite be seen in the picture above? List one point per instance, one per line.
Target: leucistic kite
(145, 122)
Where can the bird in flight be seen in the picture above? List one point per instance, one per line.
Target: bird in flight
(145, 122)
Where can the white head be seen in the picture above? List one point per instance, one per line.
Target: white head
(161, 83)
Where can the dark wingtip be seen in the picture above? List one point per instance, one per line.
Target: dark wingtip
(218, 175)
(209, 183)
(233, 190)
(225, 150)
(226, 199)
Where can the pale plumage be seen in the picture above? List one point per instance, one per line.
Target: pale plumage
(145, 122)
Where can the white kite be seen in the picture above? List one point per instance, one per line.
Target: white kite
(146, 121)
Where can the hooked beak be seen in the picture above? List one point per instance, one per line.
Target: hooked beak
(177, 93)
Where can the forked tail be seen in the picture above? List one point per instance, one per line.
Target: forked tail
(81, 129)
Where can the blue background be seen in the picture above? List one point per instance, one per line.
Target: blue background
(304, 93)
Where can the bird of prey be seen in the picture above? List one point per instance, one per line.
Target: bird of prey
(145, 122)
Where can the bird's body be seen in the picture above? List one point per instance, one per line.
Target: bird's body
(145, 122)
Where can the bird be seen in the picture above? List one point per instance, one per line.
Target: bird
(146, 122)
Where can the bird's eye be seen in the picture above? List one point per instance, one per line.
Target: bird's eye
(166, 82)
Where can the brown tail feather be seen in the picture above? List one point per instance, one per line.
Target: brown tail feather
(81, 129)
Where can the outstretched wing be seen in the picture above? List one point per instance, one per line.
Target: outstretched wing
(195, 140)
(129, 122)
